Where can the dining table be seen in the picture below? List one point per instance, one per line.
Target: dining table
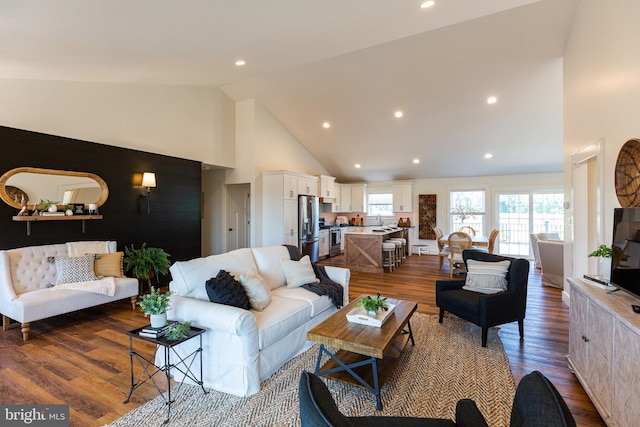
(477, 240)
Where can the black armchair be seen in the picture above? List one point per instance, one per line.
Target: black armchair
(537, 403)
(487, 310)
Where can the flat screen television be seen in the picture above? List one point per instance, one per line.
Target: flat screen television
(625, 258)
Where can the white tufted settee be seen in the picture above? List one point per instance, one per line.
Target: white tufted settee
(26, 275)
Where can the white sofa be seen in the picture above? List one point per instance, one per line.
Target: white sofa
(242, 348)
(26, 274)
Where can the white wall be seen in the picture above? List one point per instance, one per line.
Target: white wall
(263, 144)
(601, 95)
(190, 122)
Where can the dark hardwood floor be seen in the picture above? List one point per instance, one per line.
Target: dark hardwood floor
(82, 358)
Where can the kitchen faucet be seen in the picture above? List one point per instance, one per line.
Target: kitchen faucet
(379, 218)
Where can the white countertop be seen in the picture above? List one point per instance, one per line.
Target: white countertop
(374, 231)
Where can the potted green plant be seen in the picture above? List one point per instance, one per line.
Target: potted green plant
(155, 305)
(48, 205)
(178, 331)
(146, 262)
(372, 304)
(604, 252)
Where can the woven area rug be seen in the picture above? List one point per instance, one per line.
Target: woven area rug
(446, 364)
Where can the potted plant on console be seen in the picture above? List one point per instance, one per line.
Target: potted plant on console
(603, 252)
(155, 305)
(372, 304)
(146, 262)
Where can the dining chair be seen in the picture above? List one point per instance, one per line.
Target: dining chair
(443, 250)
(468, 229)
(492, 243)
(458, 242)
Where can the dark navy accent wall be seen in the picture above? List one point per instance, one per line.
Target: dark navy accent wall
(174, 222)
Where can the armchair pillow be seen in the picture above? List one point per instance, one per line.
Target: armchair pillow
(225, 289)
(486, 277)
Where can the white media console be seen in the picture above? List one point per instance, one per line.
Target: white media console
(604, 350)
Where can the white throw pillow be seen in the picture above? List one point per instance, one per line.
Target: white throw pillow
(298, 273)
(486, 277)
(257, 290)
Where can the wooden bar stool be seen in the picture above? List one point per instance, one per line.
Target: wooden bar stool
(398, 243)
(388, 255)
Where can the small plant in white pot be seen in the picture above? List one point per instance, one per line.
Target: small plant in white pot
(604, 252)
(372, 304)
(155, 305)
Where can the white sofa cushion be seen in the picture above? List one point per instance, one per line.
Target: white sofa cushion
(279, 318)
(189, 277)
(268, 262)
(319, 303)
(92, 247)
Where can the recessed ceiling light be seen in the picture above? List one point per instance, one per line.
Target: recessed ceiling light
(357, 165)
(326, 125)
(416, 161)
(492, 100)
(398, 114)
(240, 62)
(488, 156)
(427, 4)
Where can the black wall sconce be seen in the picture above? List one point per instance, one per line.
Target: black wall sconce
(149, 181)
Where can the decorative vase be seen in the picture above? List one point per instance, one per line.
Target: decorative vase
(605, 268)
(53, 208)
(158, 320)
(372, 313)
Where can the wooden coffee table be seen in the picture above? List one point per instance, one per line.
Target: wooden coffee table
(361, 346)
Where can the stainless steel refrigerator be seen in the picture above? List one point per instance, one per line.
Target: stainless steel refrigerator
(308, 228)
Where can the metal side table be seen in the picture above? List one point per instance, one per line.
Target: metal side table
(150, 369)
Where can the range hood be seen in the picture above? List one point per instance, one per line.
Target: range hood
(327, 199)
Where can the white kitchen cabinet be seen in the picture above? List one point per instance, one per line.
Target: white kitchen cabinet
(291, 222)
(323, 250)
(402, 197)
(336, 206)
(604, 347)
(343, 231)
(277, 210)
(328, 187)
(290, 186)
(352, 198)
(308, 185)
(345, 198)
(358, 194)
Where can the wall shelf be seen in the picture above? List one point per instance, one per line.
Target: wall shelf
(30, 219)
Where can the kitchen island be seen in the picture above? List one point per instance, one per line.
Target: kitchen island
(363, 247)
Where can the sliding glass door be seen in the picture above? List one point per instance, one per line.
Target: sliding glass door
(520, 214)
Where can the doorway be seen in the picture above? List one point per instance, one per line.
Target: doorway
(238, 216)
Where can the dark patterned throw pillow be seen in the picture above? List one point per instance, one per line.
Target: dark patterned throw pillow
(225, 289)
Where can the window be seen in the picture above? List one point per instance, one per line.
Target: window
(380, 204)
(467, 209)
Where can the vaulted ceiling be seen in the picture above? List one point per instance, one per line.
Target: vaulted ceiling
(350, 63)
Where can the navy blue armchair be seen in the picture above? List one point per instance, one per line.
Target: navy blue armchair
(487, 310)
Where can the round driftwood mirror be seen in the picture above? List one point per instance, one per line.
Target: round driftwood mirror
(63, 187)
